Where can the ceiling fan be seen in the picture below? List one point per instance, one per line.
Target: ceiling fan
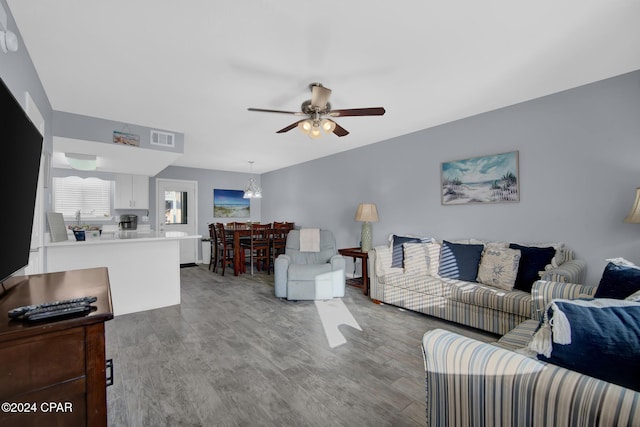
(319, 114)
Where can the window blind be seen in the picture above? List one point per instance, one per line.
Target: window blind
(91, 196)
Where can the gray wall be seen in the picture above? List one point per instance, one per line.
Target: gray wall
(207, 181)
(579, 154)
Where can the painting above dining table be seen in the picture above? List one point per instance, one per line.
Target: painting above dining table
(230, 204)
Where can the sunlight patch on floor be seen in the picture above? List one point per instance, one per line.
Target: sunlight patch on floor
(334, 313)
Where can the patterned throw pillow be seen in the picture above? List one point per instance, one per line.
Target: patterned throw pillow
(415, 259)
(499, 267)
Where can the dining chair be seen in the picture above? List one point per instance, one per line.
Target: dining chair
(259, 247)
(284, 224)
(224, 249)
(213, 260)
(279, 239)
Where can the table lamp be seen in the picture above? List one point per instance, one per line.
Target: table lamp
(634, 215)
(367, 213)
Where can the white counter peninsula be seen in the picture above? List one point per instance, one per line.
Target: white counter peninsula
(144, 268)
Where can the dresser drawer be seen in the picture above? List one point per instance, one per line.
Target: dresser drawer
(62, 405)
(33, 363)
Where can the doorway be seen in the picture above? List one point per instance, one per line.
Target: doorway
(177, 211)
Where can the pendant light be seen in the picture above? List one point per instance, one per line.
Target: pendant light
(253, 190)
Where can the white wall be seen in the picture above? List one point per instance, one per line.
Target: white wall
(579, 154)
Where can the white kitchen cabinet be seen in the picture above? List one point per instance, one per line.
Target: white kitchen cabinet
(132, 192)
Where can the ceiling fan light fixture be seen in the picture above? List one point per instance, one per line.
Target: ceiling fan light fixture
(328, 125)
(318, 107)
(315, 132)
(305, 126)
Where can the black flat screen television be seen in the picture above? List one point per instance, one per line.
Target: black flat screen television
(20, 152)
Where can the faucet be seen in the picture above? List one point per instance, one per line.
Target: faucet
(78, 217)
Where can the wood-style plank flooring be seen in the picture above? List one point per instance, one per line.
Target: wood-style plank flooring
(232, 354)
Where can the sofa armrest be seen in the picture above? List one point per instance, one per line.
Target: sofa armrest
(280, 269)
(376, 265)
(469, 382)
(544, 291)
(382, 259)
(571, 271)
(338, 263)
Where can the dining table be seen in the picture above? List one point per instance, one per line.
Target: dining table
(238, 233)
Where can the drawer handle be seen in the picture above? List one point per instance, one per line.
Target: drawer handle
(109, 372)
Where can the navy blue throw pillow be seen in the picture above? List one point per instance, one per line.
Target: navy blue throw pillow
(604, 340)
(618, 281)
(532, 260)
(397, 257)
(460, 261)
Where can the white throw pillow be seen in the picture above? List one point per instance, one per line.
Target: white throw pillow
(415, 259)
(433, 257)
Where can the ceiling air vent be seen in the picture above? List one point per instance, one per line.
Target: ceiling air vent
(163, 139)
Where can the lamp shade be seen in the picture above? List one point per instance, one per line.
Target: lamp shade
(367, 212)
(634, 215)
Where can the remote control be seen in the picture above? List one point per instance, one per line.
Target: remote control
(57, 311)
(19, 311)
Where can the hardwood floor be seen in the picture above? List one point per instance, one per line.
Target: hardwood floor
(234, 355)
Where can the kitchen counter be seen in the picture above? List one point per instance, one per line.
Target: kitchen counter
(144, 267)
(124, 236)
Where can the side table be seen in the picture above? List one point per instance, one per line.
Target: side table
(363, 281)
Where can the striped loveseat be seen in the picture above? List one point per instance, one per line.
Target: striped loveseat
(469, 303)
(471, 383)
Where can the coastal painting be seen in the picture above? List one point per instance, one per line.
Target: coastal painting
(126, 138)
(230, 204)
(487, 179)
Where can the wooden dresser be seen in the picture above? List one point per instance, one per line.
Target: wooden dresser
(53, 373)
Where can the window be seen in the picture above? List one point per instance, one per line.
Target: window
(91, 196)
(175, 203)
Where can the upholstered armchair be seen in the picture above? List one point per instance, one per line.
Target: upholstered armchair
(310, 275)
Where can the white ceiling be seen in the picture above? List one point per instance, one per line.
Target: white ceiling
(195, 66)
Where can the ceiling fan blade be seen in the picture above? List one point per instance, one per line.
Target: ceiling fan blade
(375, 111)
(319, 96)
(264, 110)
(291, 126)
(339, 130)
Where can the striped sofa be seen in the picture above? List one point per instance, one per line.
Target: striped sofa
(469, 303)
(471, 383)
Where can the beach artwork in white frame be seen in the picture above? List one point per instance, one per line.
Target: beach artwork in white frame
(486, 179)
